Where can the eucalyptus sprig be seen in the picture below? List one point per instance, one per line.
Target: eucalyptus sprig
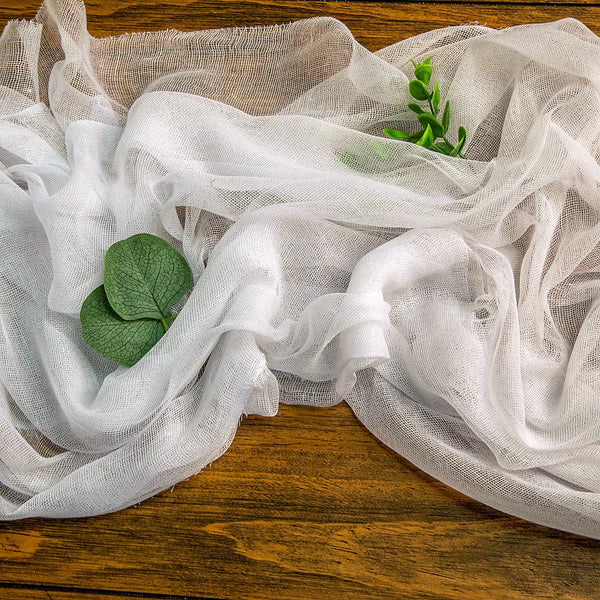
(144, 276)
(432, 128)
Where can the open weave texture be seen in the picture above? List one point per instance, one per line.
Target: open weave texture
(454, 304)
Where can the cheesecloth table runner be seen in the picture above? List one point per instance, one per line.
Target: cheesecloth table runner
(454, 304)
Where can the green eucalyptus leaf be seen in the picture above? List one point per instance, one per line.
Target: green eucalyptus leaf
(423, 73)
(435, 98)
(455, 150)
(414, 107)
(462, 136)
(445, 147)
(352, 160)
(427, 138)
(418, 89)
(380, 148)
(144, 276)
(427, 119)
(416, 136)
(446, 116)
(348, 158)
(396, 134)
(121, 341)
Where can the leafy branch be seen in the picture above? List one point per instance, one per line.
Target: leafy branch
(432, 128)
(144, 276)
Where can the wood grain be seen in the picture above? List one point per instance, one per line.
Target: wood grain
(53, 594)
(374, 24)
(306, 505)
(301, 503)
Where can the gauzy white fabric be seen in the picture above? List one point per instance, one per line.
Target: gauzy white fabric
(454, 304)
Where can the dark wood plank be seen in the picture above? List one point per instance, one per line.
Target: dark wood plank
(51, 594)
(374, 24)
(304, 504)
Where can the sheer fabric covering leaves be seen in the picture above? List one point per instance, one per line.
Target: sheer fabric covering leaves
(453, 303)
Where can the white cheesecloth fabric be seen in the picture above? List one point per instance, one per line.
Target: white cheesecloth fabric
(454, 304)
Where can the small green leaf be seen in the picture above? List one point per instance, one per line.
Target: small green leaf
(416, 136)
(144, 276)
(426, 61)
(445, 147)
(423, 73)
(455, 150)
(349, 159)
(446, 116)
(418, 90)
(415, 64)
(414, 107)
(462, 136)
(123, 342)
(435, 98)
(380, 148)
(427, 119)
(396, 134)
(426, 139)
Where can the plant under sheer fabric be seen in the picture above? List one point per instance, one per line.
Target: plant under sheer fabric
(453, 303)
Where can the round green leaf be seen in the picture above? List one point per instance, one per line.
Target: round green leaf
(124, 342)
(380, 148)
(418, 90)
(144, 276)
(428, 119)
(349, 159)
(423, 73)
(414, 107)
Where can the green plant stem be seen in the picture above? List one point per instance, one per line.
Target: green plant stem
(443, 137)
(431, 107)
(164, 320)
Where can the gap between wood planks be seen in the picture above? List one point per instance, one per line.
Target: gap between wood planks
(99, 592)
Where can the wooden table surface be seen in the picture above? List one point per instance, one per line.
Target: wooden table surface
(308, 504)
